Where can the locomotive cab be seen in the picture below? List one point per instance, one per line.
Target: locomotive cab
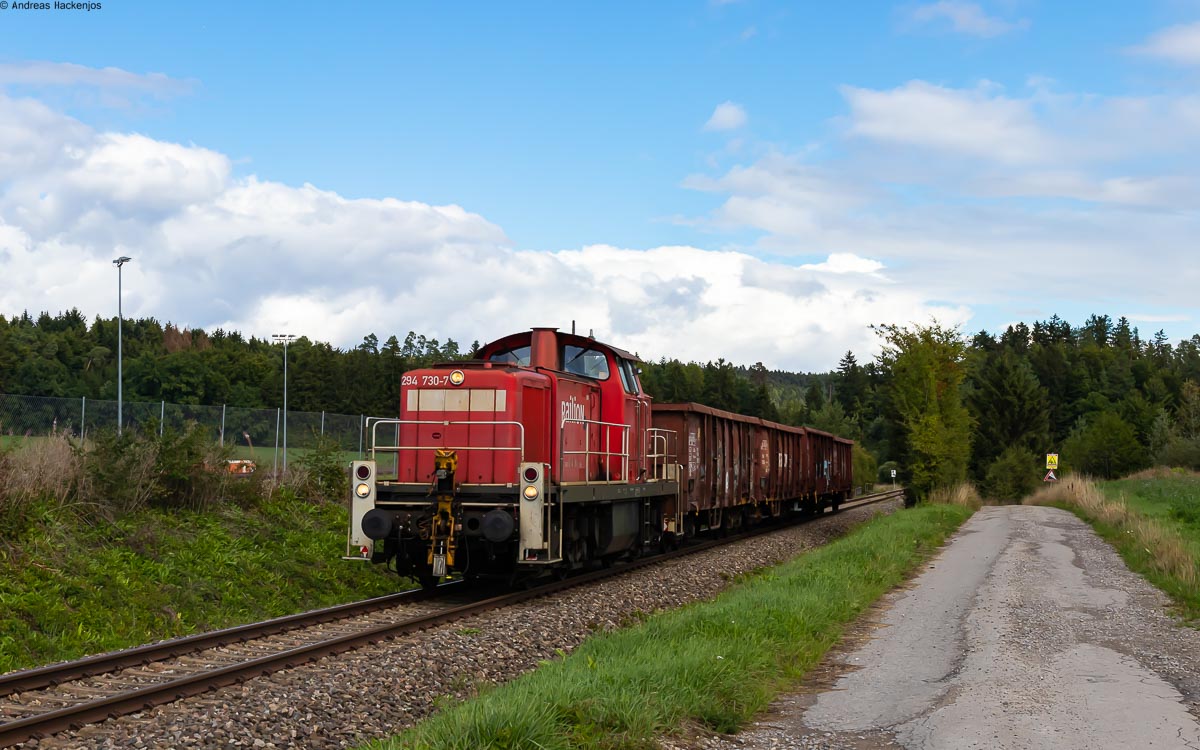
(534, 455)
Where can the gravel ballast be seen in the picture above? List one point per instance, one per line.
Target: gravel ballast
(382, 689)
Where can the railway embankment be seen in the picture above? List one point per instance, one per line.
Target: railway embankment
(707, 667)
(70, 587)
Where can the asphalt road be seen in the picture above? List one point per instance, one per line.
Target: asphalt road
(1027, 631)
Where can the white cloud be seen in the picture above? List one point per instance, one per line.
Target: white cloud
(1178, 44)
(778, 193)
(1045, 202)
(964, 18)
(970, 122)
(212, 249)
(41, 73)
(846, 263)
(727, 116)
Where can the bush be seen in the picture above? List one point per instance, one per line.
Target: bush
(885, 471)
(1179, 451)
(1014, 474)
(119, 471)
(326, 471)
(864, 465)
(1103, 445)
(178, 469)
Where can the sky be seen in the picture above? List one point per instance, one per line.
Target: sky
(757, 180)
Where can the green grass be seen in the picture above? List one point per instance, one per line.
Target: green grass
(1172, 500)
(715, 664)
(68, 589)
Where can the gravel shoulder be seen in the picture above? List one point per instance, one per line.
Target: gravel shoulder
(380, 690)
(1027, 631)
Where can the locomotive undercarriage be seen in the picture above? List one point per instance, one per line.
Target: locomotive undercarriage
(486, 539)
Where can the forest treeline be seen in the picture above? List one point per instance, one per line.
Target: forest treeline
(935, 404)
(945, 408)
(64, 356)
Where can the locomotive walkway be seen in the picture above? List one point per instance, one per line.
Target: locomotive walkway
(1028, 631)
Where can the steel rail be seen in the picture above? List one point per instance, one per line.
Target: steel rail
(57, 674)
(149, 696)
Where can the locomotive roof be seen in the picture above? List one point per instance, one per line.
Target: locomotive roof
(523, 337)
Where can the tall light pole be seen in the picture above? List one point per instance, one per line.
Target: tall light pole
(120, 413)
(286, 338)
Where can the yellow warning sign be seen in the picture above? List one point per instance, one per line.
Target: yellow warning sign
(1052, 461)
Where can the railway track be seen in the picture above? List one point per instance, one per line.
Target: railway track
(40, 702)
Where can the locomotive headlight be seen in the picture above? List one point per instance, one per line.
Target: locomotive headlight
(457, 377)
(530, 492)
(362, 489)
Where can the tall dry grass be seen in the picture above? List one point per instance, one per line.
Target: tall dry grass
(963, 494)
(45, 468)
(1168, 551)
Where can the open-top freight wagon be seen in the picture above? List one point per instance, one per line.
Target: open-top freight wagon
(545, 454)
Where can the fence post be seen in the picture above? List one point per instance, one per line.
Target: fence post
(275, 470)
(162, 416)
(361, 419)
(222, 438)
(82, 416)
(322, 424)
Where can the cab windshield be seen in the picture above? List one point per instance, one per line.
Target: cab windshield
(516, 356)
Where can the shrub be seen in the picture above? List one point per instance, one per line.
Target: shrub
(864, 466)
(178, 469)
(1014, 474)
(325, 471)
(1179, 451)
(1103, 445)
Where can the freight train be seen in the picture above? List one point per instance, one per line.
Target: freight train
(544, 454)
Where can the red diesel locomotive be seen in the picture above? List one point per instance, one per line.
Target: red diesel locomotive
(545, 454)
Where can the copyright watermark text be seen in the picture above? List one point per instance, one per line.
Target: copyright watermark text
(53, 5)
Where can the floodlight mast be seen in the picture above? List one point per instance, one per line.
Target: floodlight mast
(286, 338)
(120, 379)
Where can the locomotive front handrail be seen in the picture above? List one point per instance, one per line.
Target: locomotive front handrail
(375, 447)
(587, 451)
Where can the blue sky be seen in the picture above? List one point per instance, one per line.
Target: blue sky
(795, 169)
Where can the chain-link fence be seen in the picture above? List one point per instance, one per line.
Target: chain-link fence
(264, 435)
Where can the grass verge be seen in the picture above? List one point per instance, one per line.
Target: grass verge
(68, 588)
(715, 664)
(1153, 521)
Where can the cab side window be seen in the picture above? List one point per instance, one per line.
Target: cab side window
(589, 363)
(628, 376)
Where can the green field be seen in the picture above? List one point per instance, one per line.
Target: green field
(713, 664)
(1173, 498)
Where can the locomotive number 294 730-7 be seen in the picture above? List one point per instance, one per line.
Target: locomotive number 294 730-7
(424, 380)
